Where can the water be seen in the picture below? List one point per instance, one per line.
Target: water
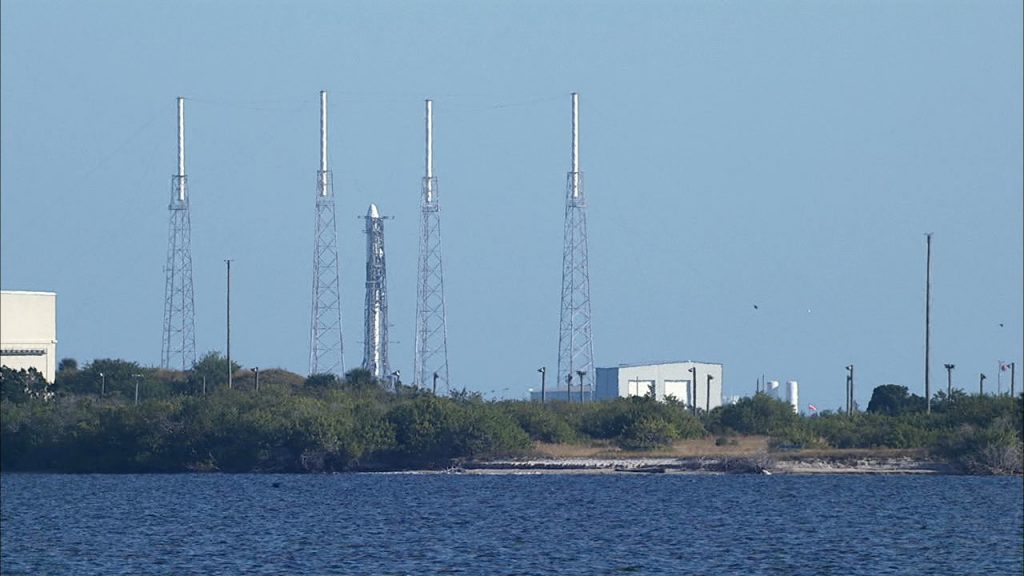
(564, 524)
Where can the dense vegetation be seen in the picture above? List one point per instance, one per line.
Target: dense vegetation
(87, 421)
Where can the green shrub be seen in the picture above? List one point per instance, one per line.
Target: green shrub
(647, 433)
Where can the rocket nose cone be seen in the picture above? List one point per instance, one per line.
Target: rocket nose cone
(372, 212)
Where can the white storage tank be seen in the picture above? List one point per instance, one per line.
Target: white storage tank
(793, 395)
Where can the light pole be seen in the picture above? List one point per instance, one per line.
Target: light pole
(396, 380)
(256, 372)
(568, 387)
(949, 380)
(103, 384)
(928, 326)
(693, 390)
(981, 384)
(228, 262)
(849, 390)
(137, 377)
(435, 383)
(543, 373)
(1013, 379)
(707, 410)
(581, 373)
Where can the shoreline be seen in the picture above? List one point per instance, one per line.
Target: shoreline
(758, 464)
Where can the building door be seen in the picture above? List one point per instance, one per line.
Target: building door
(678, 389)
(640, 387)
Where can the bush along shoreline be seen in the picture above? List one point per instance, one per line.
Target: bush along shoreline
(88, 422)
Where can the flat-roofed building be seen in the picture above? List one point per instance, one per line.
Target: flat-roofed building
(663, 380)
(28, 331)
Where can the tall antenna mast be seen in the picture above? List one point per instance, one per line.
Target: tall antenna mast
(431, 362)
(375, 329)
(928, 324)
(178, 349)
(575, 345)
(326, 350)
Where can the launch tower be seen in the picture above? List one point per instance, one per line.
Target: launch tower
(431, 362)
(326, 351)
(575, 346)
(178, 350)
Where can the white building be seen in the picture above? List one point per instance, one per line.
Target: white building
(663, 380)
(28, 331)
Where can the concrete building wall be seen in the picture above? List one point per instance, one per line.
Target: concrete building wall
(664, 379)
(28, 331)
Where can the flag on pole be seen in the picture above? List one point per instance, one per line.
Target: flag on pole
(1004, 366)
(812, 407)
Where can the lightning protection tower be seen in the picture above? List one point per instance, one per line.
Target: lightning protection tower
(179, 340)
(326, 351)
(375, 330)
(431, 325)
(575, 347)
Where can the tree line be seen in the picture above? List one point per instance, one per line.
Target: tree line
(88, 421)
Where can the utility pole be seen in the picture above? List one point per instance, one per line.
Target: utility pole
(137, 377)
(230, 375)
(949, 380)
(543, 373)
(581, 373)
(436, 375)
(708, 399)
(1013, 379)
(928, 324)
(693, 390)
(849, 390)
(568, 387)
(981, 384)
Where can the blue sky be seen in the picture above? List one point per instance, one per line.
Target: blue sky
(785, 154)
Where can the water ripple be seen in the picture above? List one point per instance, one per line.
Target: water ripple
(510, 525)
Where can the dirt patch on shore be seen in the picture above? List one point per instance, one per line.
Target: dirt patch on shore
(744, 446)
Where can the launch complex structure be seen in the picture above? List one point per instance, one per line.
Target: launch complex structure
(375, 328)
(575, 342)
(431, 357)
(326, 346)
(178, 350)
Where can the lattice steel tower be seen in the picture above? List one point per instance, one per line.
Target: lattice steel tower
(326, 350)
(178, 350)
(575, 346)
(375, 330)
(431, 362)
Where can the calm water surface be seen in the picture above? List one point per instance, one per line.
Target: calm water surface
(562, 524)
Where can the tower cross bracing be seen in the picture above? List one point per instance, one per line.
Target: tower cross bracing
(431, 355)
(178, 348)
(575, 343)
(326, 348)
